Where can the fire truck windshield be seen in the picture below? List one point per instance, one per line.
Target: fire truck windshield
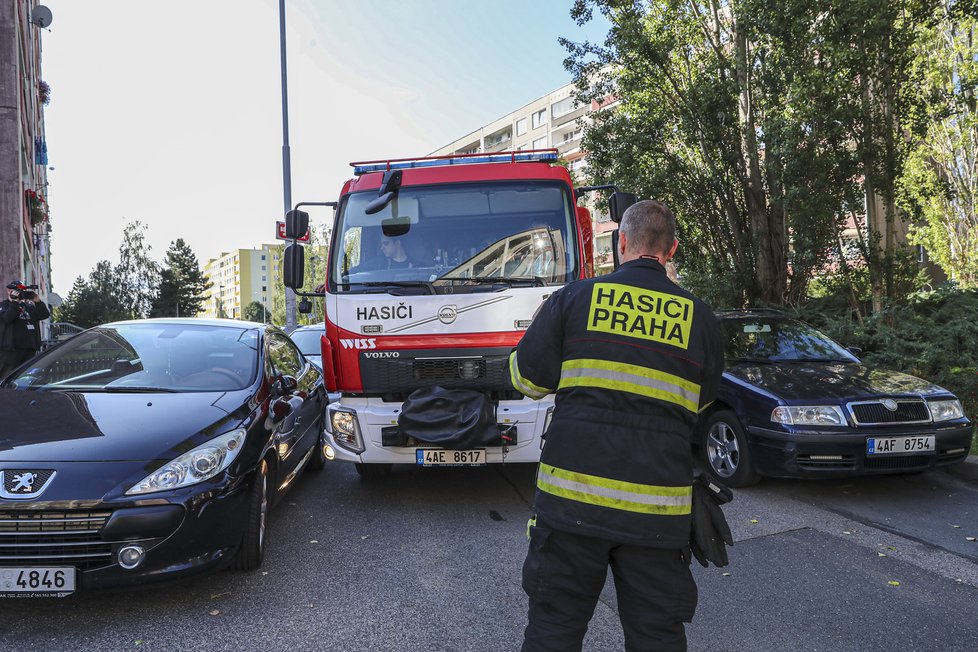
(466, 236)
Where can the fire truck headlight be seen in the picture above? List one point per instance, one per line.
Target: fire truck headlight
(346, 430)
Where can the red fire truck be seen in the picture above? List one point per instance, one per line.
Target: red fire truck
(437, 266)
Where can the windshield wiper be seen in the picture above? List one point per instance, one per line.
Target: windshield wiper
(389, 284)
(752, 360)
(819, 360)
(508, 280)
(136, 390)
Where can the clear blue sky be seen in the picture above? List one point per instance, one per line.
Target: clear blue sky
(170, 112)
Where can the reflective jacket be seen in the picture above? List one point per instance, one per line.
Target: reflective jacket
(633, 359)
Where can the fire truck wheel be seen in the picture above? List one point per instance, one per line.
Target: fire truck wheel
(368, 471)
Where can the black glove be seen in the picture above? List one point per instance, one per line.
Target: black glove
(710, 534)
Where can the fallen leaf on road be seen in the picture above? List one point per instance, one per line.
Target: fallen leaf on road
(314, 541)
(291, 504)
(956, 526)
(264, 572)
(753, 520)
(890, 548)
(969, 539)
(140, 642)
(215, 596)
(214, 612)
(364, 537)
(893, 583)
(846, 532)
(726, 574)
(882, 554)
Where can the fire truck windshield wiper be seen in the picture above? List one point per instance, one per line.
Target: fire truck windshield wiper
(428, 287)
(508, 280)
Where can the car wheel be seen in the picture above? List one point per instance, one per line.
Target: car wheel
(318, 459)
(724, 450)
(369, 471)
(252, 550)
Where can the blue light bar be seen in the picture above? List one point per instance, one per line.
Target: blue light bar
(462, 160)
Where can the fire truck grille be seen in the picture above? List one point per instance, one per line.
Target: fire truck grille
(481, 369)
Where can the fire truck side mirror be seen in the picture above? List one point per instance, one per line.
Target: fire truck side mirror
(294, 267)
(304, 306)
(388, 189)
(296, 224)
(619, 202)
(614, 248)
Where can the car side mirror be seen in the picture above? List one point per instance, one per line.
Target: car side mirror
(284, 385)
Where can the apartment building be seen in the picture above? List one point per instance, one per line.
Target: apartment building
(241, 276)
(554, 120)
(24, 213)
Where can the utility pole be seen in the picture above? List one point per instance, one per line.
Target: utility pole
(290, 319)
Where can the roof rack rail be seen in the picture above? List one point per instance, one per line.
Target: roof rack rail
(533, 155)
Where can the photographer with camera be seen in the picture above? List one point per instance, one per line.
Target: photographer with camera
(20, 332)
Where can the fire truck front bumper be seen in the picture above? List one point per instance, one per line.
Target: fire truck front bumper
(366, 432)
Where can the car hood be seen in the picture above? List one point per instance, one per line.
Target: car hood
(829, 382)
(97, 427)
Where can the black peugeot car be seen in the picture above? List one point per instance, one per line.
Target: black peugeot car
(795, 403)
(150, 450)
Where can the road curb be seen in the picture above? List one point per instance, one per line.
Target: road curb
(966, 470)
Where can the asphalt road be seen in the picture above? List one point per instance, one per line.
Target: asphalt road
(430, 560)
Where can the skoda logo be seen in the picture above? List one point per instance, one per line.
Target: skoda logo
(447, 314)
(890, 404)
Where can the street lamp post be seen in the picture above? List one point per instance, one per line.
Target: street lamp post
(290, 320)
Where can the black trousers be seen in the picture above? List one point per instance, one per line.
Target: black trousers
(563, 576)
(10, 359)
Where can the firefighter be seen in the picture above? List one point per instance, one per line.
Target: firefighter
(633, 359)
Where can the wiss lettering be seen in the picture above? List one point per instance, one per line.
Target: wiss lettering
(400, 311)
(370, 343)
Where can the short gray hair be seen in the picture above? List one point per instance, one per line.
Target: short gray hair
(649, 226)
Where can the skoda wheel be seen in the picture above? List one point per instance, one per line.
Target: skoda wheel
(252, 550)
(318, 459)
(724, 451)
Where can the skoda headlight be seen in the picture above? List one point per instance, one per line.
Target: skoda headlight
(945, 410)
(202, 463)
(809, 415)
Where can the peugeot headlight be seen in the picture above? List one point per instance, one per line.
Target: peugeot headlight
(197, 465)
(945, 410)
(809, 415)
(345, 429)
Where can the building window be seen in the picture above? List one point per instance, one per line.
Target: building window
(563, 107)
(540, 143)
(263, 256)
(539, 118)
(521, 126)
(263, 267)
(263, 278)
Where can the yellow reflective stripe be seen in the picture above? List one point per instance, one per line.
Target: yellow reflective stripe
(630, 378)
(615, 494)
(522, 384)
(530, 523)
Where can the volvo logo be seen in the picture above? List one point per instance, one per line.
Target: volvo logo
(382, 354)
(447, 314)
(890, 404)
(23, 483)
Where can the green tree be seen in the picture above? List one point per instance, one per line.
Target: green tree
(762, 123)
(941, 178)
(255, 311)
(137, 274)
(182, 284)
(95, 301)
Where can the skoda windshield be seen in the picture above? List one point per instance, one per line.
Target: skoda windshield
(456, 238)
(777, 339)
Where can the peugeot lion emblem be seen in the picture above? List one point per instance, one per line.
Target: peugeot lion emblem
(22, 483)
(890, 404)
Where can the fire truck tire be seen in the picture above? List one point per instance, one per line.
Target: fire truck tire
(368, 471)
